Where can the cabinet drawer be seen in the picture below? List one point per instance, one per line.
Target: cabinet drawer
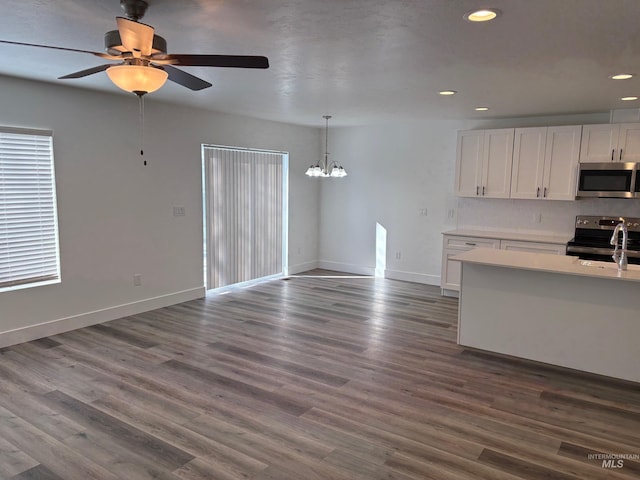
(534, 247)
(467, 243)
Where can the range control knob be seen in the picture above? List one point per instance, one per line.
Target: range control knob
(636, 225)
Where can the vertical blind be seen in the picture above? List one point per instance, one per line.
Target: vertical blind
(244, 214)
(28, 217)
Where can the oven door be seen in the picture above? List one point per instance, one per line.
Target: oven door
(601, 254)
(613, 180)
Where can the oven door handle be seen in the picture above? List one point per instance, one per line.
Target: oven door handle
(599, 251)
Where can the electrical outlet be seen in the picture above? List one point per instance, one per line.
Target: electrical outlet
(537, 217)
(398, 255)
(451, 213)
(423, 212)
(178, 211)
(137, 279)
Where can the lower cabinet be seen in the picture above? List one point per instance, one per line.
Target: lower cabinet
(452, 246)
(455, 244)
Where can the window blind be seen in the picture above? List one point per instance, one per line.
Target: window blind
(244, 214)
(28, 216)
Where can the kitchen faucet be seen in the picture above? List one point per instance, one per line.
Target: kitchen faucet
(620, 258)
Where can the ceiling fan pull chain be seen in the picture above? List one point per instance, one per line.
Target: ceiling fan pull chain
(141, 104)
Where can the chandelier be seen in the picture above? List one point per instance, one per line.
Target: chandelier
(324, 169)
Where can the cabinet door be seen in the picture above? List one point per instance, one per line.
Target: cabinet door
(561, 163)
(469, 162)
(599, 143)
(451, 270)
(528, 162)
(629, 143)
(497, 162)
(452, 246)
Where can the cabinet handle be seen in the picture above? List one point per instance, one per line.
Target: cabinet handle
(537, 192)
(620, 154)
(477, 190)
(470, 244)
(483, 191)
(612, 152)
(545, 192)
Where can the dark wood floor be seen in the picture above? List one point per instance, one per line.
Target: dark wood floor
(311, 378)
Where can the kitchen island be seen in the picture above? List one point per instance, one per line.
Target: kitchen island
(551, 308)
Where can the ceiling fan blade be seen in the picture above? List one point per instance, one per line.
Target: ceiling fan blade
(233, 61)
(88, 71)
(135, 36)
(185, 79)
(97, 54)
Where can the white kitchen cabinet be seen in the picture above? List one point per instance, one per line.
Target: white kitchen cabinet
(483, 163)
(545, 161)
(454, 244)
(618, 142)
(528, 162)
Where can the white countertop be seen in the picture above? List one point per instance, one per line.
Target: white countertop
(518, 236)
(544, 262)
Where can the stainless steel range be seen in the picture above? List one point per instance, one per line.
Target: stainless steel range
(593, 235)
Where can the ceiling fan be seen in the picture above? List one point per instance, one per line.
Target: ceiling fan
(145, 64)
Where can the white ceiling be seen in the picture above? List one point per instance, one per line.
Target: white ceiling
(362, 61)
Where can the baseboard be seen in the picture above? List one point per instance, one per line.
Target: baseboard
(346, 268)
(301, 267)
(412, 277)
(61, 325)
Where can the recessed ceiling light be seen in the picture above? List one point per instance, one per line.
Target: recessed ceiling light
(447, 92)
(621, 76)
(482, 109)
(629, 99)
(482, 15)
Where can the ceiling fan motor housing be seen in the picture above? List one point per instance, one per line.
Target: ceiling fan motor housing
(134, 9)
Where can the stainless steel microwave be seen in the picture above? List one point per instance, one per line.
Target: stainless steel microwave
(609, 180)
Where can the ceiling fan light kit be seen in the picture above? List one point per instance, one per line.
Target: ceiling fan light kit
(138, 79)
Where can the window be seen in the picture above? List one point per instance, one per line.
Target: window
(29, 254)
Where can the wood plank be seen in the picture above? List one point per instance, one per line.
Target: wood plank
(135, 439)
(13, 460)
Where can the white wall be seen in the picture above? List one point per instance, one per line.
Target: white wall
(116, 216)
(397, 170)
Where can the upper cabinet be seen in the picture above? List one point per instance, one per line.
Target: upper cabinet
(610, 143)
(483, 163)
(545, 161)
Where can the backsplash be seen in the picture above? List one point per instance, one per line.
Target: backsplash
(555, 217)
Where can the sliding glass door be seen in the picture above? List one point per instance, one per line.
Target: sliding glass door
(245, 214)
